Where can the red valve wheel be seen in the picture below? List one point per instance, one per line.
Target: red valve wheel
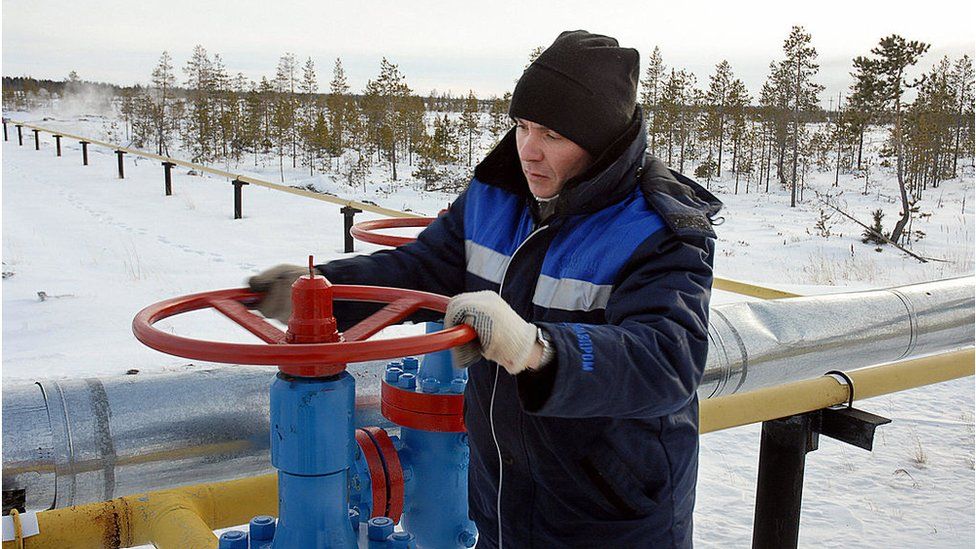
(318, 359)
(362, 231)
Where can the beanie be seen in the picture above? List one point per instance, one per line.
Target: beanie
(583, 86)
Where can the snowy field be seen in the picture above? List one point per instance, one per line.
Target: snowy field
(100, 249)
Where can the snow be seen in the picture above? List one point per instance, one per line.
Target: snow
(102, 248)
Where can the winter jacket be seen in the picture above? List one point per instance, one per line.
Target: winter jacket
(599, 448)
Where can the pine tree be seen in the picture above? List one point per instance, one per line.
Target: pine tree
(499, 121)
(651, 88)
(737, 102)
(875, 234)
(309, 115)
(286, 108)
(892, 57)
(718, 105)
(801, 61)
(337, 104)
(199, 127)
(384, 101)
(962, 84)
(471, 121)
(163, 84)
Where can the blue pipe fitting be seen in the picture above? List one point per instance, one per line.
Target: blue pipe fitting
(261, 530)
(312, 446)
(379, 528)
(232, 540)
(407, 381)
(402, 540)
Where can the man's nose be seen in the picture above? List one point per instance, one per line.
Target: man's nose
(531, 149)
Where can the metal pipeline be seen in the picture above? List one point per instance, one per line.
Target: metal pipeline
(69, 442)
(764, 343)
(77, 441)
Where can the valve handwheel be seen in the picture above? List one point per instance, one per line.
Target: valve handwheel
(290, 352)
(363, 230)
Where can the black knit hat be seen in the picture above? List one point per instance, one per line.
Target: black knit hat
(584, 86)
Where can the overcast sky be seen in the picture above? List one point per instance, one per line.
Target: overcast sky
(445, 46)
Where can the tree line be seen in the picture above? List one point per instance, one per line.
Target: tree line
(781, 134)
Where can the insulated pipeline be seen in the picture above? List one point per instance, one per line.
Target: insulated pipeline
(765, 343)
(69, 442)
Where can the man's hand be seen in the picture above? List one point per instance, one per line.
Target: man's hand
(502, 334)
(275, 283)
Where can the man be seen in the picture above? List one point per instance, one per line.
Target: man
(586, 268)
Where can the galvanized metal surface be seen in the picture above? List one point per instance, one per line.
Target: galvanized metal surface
(68, 442)
(77, 441)
(764, 343)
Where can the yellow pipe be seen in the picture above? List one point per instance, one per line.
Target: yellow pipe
(180, 518)
(815, 394)
(221, 173)
(751, 290)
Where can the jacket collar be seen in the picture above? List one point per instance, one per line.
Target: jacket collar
(611, 178)
(686, 207)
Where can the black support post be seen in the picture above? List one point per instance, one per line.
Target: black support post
(37, 140)
(168, 177)
(120, 154)
(782, 459)
(779, 490)
(348, 212)
(238, 184)
(84, 153)
(20, 135)
(57, 143)
(5, 129)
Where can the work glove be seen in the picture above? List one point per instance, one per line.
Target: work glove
(503, 336)
(275, 283)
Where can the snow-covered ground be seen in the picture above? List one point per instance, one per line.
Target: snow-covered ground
(101, 248)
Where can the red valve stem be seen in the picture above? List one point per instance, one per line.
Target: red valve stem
(311, 318)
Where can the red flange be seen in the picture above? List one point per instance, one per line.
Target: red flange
(363, 230)
(385, 472)
(320, 359)
(427, 412)
(377, 473)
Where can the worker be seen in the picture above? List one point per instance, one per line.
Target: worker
(585, 267)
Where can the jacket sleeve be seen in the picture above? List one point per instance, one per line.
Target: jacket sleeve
(435, 262)
(648, 360)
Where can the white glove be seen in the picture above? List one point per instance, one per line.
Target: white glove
(275, 283)
(503, 336)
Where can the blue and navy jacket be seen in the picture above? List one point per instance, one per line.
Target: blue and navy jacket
(600, 448)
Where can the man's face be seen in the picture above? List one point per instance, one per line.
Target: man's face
(548, 159)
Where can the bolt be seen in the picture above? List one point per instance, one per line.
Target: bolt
(378, 528)
(457, 385)
(393, 374)
(232, 540)
(262, 528)
(395, 364)
(402, 540)
(467, 538)
(411, 364)
(407, 381)
(429, 385)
